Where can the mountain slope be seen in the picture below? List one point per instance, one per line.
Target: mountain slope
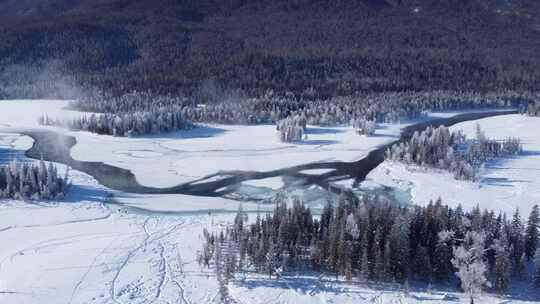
(335, 47)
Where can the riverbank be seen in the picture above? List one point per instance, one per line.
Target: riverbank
(56, 147)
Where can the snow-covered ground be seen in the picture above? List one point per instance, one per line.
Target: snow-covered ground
(90, 253)
(171, 159)
(506, 184)
(87, 253)
(143, 249)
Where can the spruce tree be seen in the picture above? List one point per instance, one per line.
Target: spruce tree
(516, 240)
(502, 267)
(537, 270)
(532, 237)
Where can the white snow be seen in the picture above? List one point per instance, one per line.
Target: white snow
(144, 249)
(115, 258)
(274, 183)
(188, 155)
(505, 185)
(171, 159)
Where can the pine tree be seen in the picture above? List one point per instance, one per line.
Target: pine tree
(502, 265)
(517, 244)
(399, 248)
(537, 270)
(471, 269)
(532, 238)
(442, 267)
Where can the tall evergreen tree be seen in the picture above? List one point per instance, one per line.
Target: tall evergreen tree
(532, 238)
(516, 240)
(503, 265)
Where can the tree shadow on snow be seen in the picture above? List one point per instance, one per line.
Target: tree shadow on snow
(304, 285)
(317, 142)
(78, 193)
(319, 130)
(197, 132)
(365, 290)
(498, 163)
(384, 136)
(9, 155)
(502, 181)
(312, 285)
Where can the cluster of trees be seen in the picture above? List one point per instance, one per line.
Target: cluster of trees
(381, 241)
(361, 110)
(235, 108)
(363, 126)
(162, 120)
(24, 181)
(533, 109)
(292, 128)
(438, 148)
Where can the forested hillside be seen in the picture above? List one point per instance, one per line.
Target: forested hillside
(323, 48)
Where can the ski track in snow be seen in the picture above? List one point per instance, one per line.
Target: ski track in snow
(163, 275)
(90, 268)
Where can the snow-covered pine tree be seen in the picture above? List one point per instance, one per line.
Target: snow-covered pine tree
(399, 248)
(25, 181)
(537, 269)
(516, 239)
(532, 237)
(442, 267)
(503, 265)
(469, 262)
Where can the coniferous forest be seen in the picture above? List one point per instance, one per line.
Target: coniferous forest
(361, 111)
(438, 148)
(24, 181)
(343, 83)
(320, 48)
(379, 240)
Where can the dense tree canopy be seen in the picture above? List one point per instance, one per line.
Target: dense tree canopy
(377, 239)
(310, 48)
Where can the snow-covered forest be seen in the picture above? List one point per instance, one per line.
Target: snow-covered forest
(382, 242)
(438, 148)
(23, 181)
(533, 109)
(363, 126)
(291, 128)
(236, 108)
(160, 120)
(142, 113)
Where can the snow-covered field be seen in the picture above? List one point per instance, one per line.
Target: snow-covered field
(90, 253)
(506, 184)
(143, 249)
(172, 159)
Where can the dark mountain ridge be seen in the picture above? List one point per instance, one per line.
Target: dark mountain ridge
(324, 47)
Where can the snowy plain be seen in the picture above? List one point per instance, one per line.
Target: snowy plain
(143, 250)
(504, 185)
(171, 159)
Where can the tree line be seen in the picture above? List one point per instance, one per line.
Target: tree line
(140, 113)
(215, 105)
(161, 120)
(382, 241)
(362, 111)
(26, 181)
(452, 151)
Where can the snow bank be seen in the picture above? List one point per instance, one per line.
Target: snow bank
(505, 185)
